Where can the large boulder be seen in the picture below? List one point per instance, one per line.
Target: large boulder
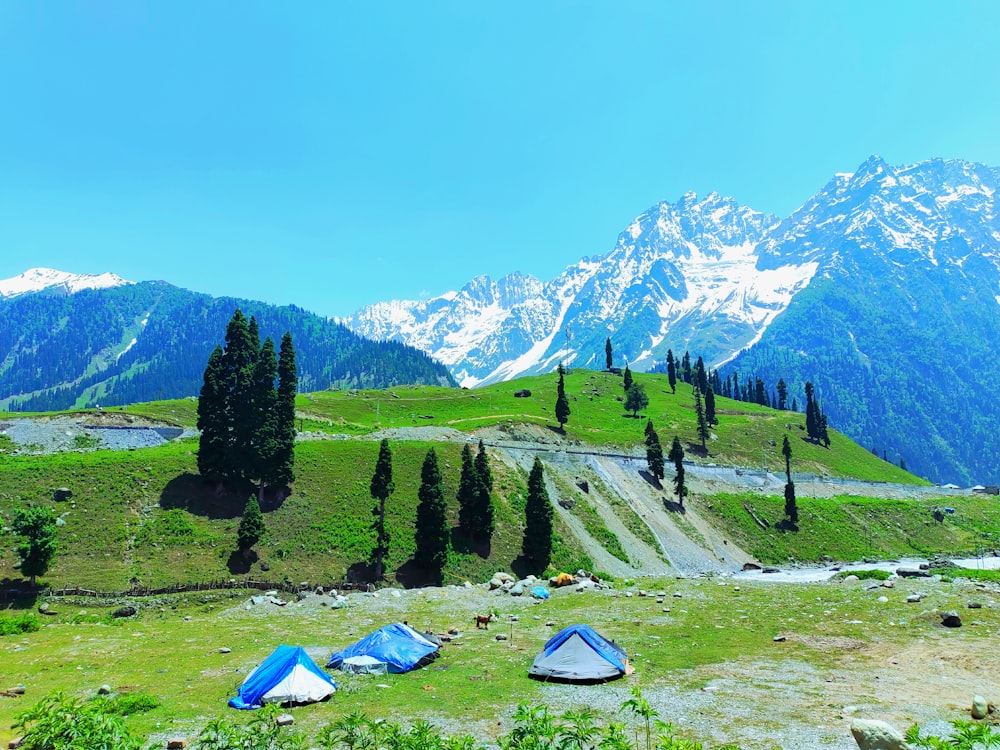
(980, 708)
(872, 734)
(950, 619)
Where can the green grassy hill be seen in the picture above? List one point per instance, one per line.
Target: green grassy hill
(145, 516)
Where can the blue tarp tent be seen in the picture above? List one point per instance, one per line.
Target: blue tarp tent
(394, 648)
(288, 675)
(579, 654)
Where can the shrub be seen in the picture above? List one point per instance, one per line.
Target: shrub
(26, 623)
(57, 722)
(873, 574)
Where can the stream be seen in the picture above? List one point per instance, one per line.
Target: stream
(813, 574)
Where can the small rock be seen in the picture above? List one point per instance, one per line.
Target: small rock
(678, 595)
(851, 578)
(514, 618)
(914, 598)
(187, 618)
(452, 631)
(127, 611)
(779, 638)
(979, 707)
(950, 619)
(871, 734)
(549, 624)
(500, 637)
(104, 690)
(265, 567)
(888, 585)
(284, 720)
(18, 690)
(176, 744)
(642, 592)
(15, 743)
(225, 650)
(912, 573)
(975, 605)
(883, 599)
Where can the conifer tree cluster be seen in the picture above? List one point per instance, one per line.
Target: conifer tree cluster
(815, 418)
(475, 498)
(247, 424)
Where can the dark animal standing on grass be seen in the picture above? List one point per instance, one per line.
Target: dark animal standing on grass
(483, 621)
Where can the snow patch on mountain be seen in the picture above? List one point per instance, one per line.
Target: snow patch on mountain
(40, 279)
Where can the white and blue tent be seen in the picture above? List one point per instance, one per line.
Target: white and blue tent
(393, 649)
(288, 675)
(579, 654)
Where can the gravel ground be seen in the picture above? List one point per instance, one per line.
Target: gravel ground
(51, 435)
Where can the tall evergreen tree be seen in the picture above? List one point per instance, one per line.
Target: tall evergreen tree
(791, 506)
(483, 497)
(700, 375)
(710, 406)
(251, 528)
(608, 358)
(536, 544)
(431, 529)
(466, 494)
(759, 392)
(654, 453)
(627, 379)
(288, 386)
(36, 525)
(699, 411)
(212, 422)
(782, 395)
(677, 456)
(264, 437)
(824, 435)
(562, 403)
(381, 488)
(671, 371)
(812, 415)
(686, 368)
(786, 451)
(238, 360)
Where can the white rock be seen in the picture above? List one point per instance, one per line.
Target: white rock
(872, 734)
(979, 707)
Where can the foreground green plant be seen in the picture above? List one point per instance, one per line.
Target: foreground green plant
(26, 623)
(260, 733)
(58, 722)
(966, 735)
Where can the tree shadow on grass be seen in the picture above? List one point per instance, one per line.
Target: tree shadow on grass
(212, 499)
(651, 479)
(466, 546)
(360, 573)
(786, 525)
(17, 593)
(239, 563)
(414, 576)
(672, 506)
(522, 567)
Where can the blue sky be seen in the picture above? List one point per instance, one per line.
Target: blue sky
(334, 154)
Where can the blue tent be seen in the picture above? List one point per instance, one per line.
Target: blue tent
(394, 648)
(288, 675)
(579, 654)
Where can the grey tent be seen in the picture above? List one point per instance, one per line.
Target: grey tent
(579, 654)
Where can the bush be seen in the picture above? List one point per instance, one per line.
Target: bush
(126, 705)
(873, 574)
(58, 722)
(26, 623)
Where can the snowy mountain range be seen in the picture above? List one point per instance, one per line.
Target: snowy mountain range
(882, 288)
(50, 280)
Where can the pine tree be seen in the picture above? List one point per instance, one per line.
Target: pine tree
(562, 403)
(782, 395)
(671, 371)
(700, 376)
(431, 529)
(536, 545)
(251, 526)
(212, 422)
(824, 435)
(677, 456)
(636, 399)
(381, 488)
(238, 360)
(483, 497)
(466, 495)
(710, 406)
(786, 451)
(759, 392)
(686, 368)
(699, 411)
(288, 386)
(627, 379)
(654, 453)
(608, 358)
(264, 432)
(791, 507)
(36, 525)
(812, 423)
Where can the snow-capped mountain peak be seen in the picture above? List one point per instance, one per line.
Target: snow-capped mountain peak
(40, 279)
